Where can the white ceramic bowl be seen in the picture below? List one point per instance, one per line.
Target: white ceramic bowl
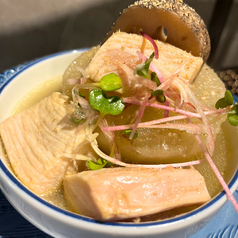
(60, 223)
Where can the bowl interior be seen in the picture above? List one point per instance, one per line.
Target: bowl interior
(42, 70)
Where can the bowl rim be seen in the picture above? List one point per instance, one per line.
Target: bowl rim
(221, 197)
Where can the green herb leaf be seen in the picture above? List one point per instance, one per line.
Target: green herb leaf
(155, 78)
(226, 101)
(232, 116)
(110, 82)
(143, 69)
(101, 163)
(106, 105)
(159, 94)
(128, 132)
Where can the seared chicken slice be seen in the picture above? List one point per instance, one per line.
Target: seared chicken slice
(121, 193)
(40, 143)
(120, 49)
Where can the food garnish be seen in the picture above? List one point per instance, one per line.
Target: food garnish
(143, 69)
(232, 116)
(127, 133)
(105, 105)
(155, 79)
(110, 82)
(227, 102)
(156, 53)
(101, 163)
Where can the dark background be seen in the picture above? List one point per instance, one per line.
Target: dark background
(30, 29)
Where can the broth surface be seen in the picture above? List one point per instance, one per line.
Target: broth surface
(38, 93)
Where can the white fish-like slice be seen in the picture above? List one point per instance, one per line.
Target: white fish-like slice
(121, 49)
(40, 143)
(121, 193)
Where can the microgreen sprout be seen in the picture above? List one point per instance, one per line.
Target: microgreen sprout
(155, 78)
(143, 69)
(105, 105)
(226, 101)
(101, 163)
(232, 115)
(78, 116)
(110, 82)
(152, 42)
(159, 95)
(127, 133)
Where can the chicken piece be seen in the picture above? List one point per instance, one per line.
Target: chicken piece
(120, 49)
(40, 143)
(121, 193)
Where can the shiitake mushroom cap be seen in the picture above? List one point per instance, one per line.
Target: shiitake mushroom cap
(171, 21)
